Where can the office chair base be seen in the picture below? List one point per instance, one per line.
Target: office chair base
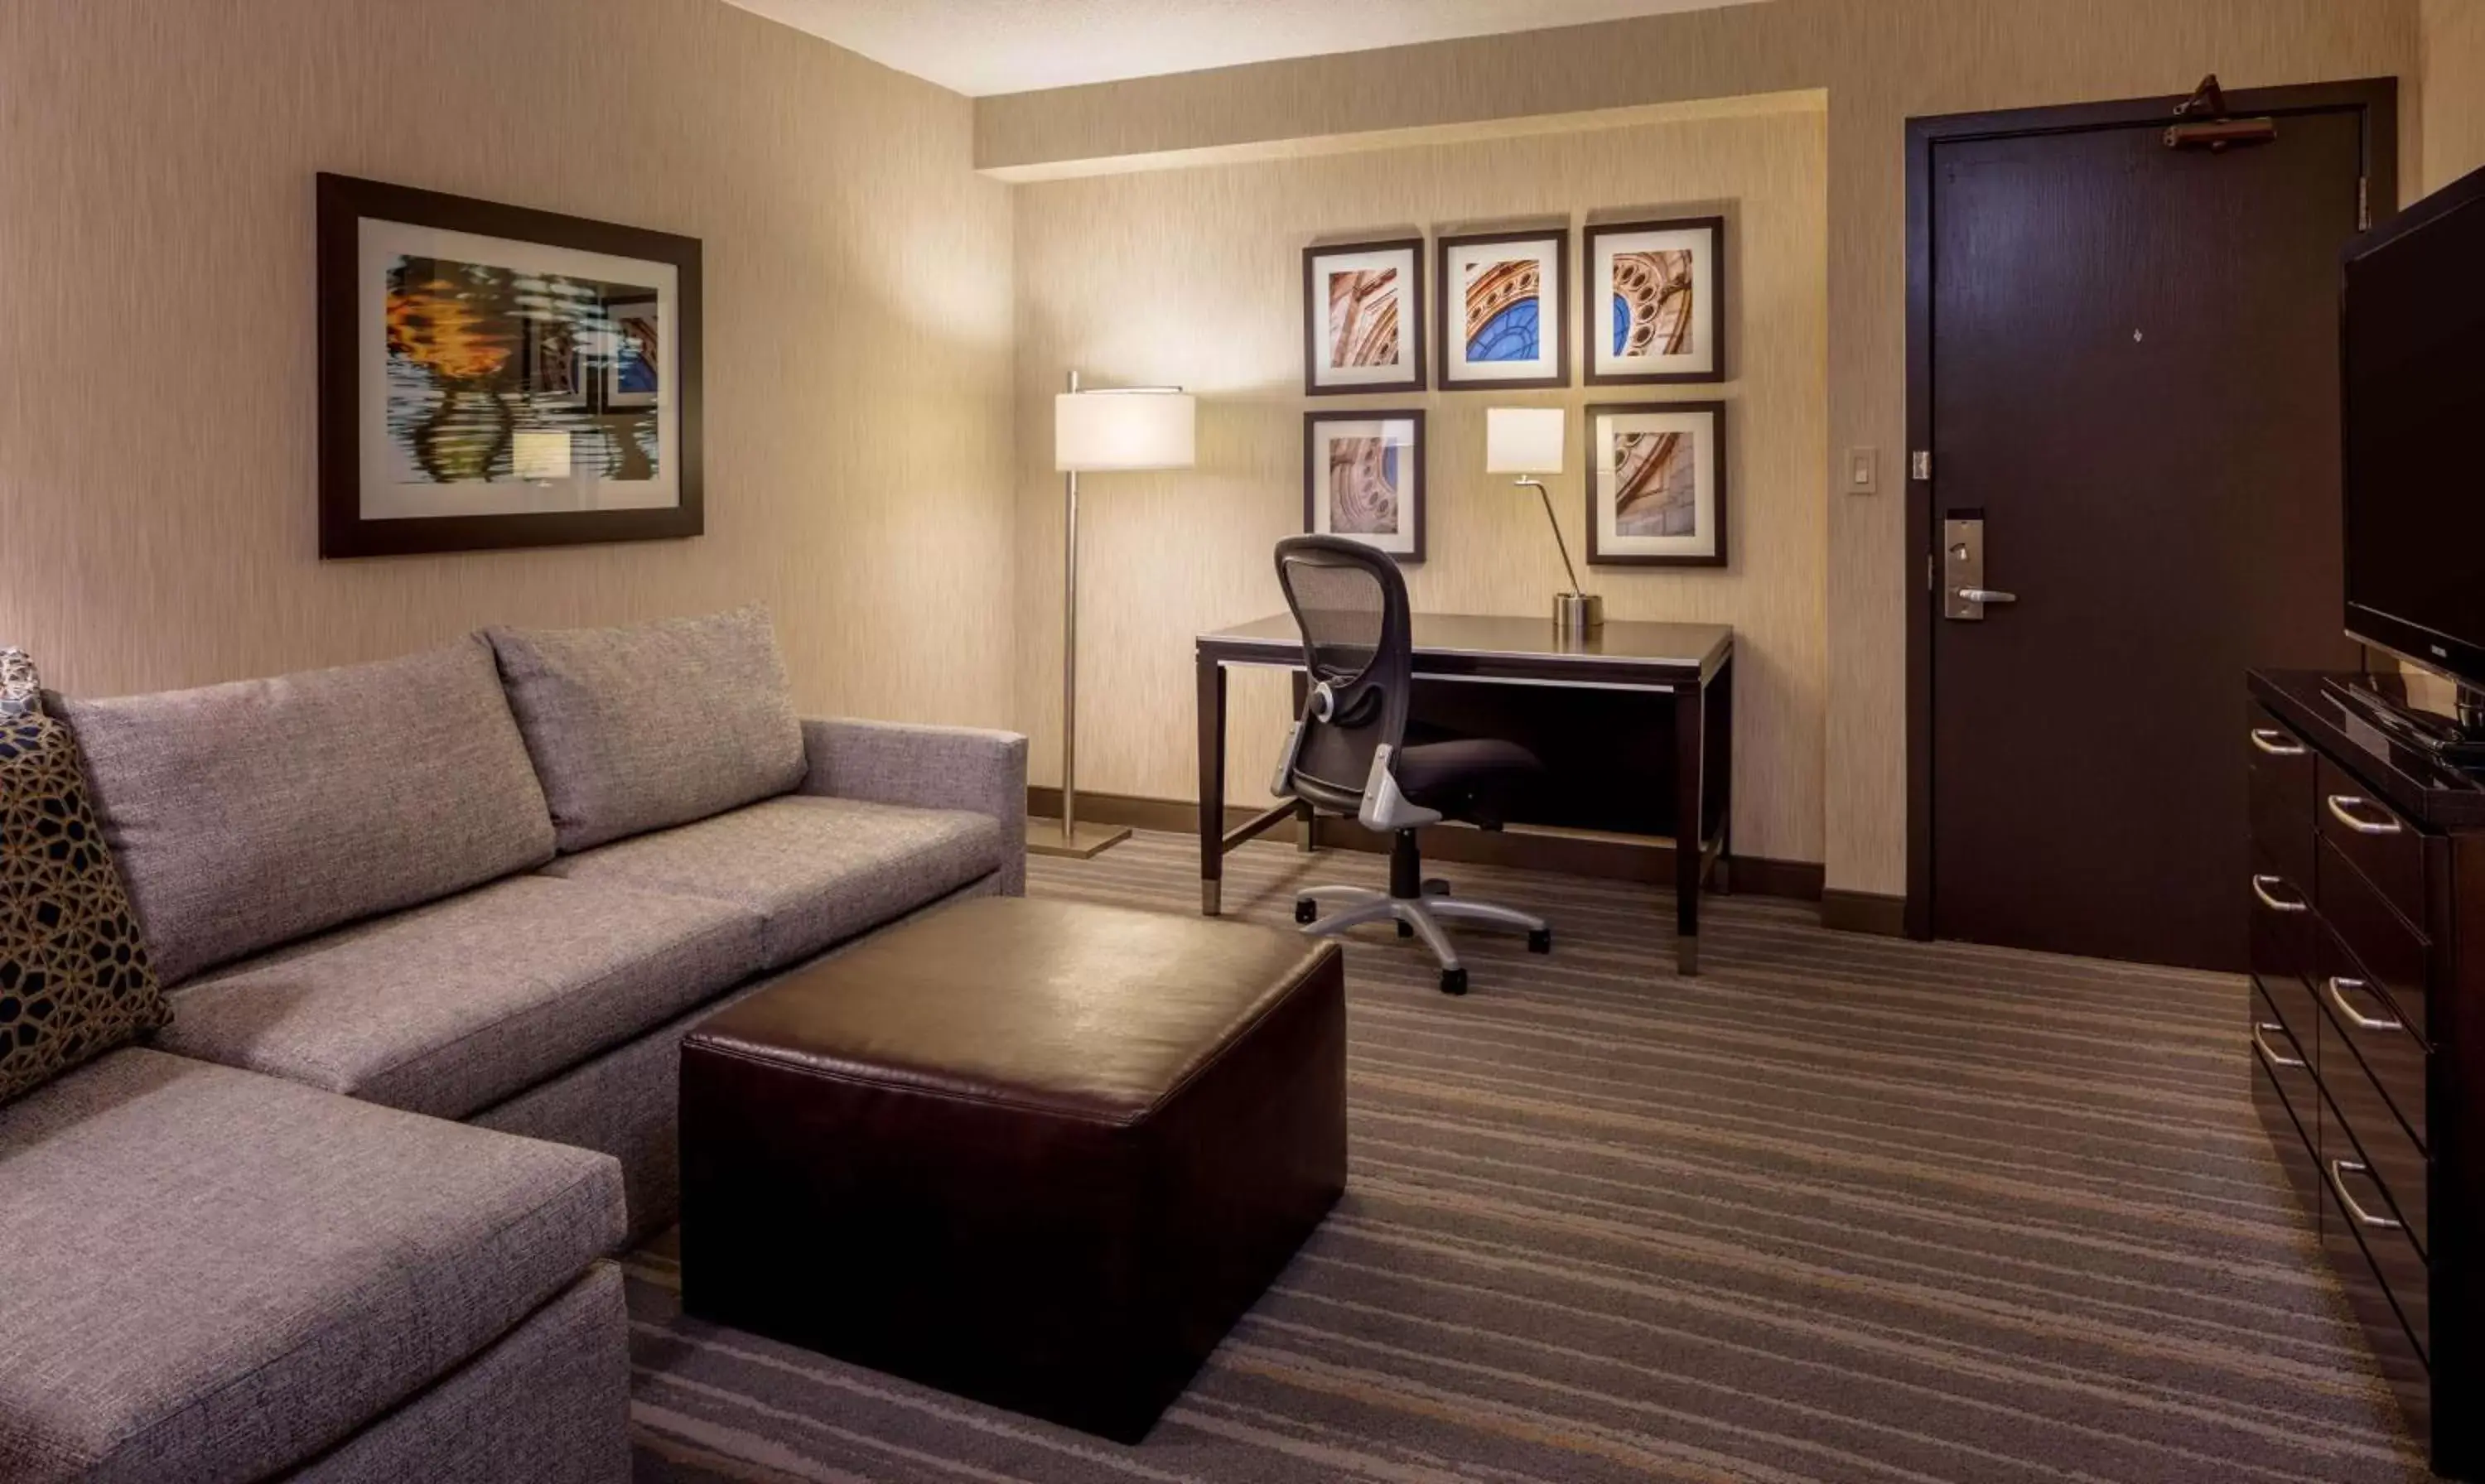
(1416, 917)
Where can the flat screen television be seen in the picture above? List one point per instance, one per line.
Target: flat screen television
(2412, 376)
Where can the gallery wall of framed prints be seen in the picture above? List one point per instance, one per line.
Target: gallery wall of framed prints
(1500, 317)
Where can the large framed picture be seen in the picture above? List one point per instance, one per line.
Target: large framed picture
(1363, 317)
(494, 376)
(1656, 485)
(1653, 291)
(1504, 297)
(1364, 478)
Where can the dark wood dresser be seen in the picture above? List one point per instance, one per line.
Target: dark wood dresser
(2367, 1026)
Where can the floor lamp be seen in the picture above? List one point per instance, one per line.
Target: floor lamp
(1099, 430)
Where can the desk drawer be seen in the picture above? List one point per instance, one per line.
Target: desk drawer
(2391, 953)
(2362, 1020)
(2386, 1278)
(2384, 847)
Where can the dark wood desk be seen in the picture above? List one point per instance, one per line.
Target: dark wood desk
(1690, 664)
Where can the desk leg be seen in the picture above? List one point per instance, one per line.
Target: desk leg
(1718, 760)
(1690, 799)
(1211, 786)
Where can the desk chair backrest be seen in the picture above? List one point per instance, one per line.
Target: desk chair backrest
(1350, 602)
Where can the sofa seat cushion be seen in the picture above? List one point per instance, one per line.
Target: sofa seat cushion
(816, 870)
(634, 729)
(209, 1274)
(247, 815)
(450, 1008)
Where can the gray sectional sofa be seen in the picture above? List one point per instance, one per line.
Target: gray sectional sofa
(432, 930)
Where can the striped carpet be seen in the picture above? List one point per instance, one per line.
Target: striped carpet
(1842, 1210)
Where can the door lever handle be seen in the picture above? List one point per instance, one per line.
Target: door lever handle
(1985, 595)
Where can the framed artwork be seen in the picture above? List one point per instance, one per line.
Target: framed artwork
(1504, 297)
(1363, 477)
(494, 376)
(1363, 317)
(1654, 289)
(1656, 485)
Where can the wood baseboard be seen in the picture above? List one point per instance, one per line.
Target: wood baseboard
(1864, 911)
(1608, 857)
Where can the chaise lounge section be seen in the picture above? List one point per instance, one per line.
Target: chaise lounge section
(404, 911)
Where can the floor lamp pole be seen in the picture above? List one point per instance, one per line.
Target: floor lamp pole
(1070, 651)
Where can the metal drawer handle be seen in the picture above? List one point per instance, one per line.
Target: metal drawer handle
(2340, 803)
(2337, 987)
(2269, 1056)
(2274, 743)
(2339, 1169)
(2261, 888)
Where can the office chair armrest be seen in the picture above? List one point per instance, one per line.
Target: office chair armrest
(1384, 809)
(927, 768)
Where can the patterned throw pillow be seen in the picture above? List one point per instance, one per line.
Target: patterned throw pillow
(74, 980)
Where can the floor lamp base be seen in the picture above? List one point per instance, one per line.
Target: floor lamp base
(1086, 843)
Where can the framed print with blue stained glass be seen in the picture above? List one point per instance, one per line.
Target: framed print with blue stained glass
(495, 376)
(1654, 289)
(1364, 478)
(1505, 298)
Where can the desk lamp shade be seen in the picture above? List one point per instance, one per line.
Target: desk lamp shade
(1523, 439)
(1094, 431)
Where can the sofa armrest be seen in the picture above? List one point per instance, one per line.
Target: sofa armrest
(929, 767)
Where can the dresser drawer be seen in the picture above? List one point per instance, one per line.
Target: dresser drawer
(2365, 1150)
(2373, 1027)
(2384, 848)
(2384, 1304)
(2285, 1064)
(2391, 953)
(2383, 1273)
(2286, 1098)
(2279, 942)
(2282, 772)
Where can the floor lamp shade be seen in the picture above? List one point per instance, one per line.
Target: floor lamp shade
(1523, 439)
(1097, 431)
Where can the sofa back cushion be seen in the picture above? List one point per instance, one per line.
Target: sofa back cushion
(638, 728)
(250, 814)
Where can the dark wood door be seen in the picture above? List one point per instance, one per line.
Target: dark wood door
(2133, 379)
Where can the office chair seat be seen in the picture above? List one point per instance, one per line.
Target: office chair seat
(1468, 779)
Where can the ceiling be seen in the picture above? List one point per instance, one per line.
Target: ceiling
(986, 46)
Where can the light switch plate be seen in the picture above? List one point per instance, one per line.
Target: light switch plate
(1863, 470)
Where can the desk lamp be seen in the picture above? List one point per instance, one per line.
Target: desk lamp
(1099, 430)
(1527, 442)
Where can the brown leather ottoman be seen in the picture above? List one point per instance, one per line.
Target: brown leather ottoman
(1039, 1153)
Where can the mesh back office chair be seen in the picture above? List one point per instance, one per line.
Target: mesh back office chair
(1347, 754)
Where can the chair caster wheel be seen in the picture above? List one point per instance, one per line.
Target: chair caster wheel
(1306, 911)
(1453, 981)
(1436, 886)
(1404, 930)
(1541, 941)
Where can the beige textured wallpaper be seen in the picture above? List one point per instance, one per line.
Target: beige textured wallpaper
(2454, 90)
(1194, 276)
(157, 518)
(1881, 62)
